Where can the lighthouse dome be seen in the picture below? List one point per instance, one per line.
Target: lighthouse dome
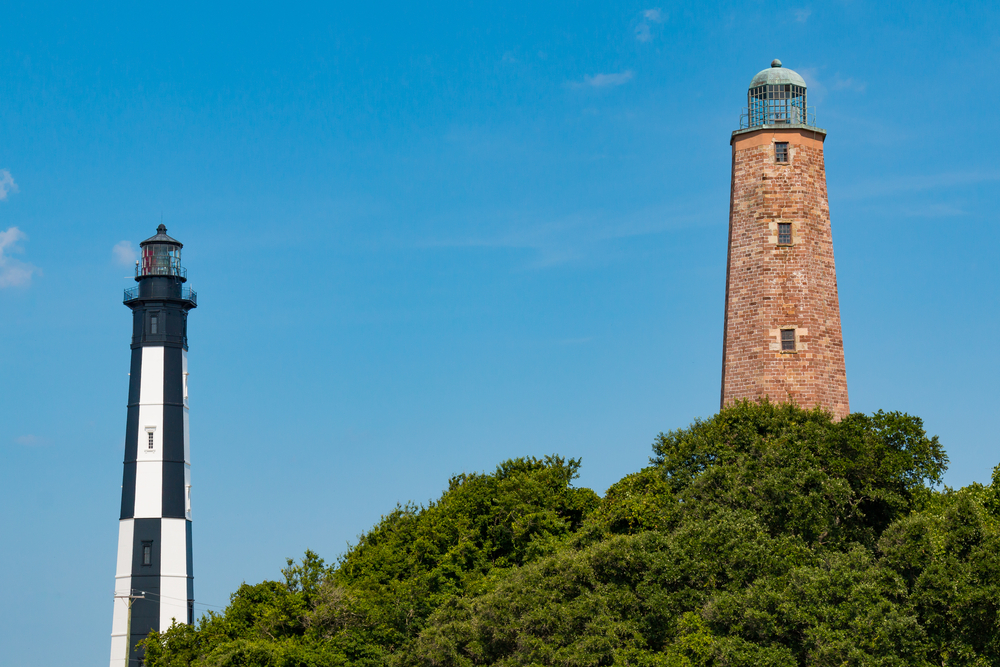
(776, 75)
(161, 237)
(777, 96)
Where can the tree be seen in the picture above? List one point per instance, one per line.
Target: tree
(370, 606)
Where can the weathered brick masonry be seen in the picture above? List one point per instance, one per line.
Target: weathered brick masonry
(770, 287)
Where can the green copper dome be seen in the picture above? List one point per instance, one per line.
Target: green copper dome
(777, 75)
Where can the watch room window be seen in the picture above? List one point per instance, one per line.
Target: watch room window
(788, 340)
(784, 233)
(781, 152)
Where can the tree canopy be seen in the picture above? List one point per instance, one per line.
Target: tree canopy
(766, 535)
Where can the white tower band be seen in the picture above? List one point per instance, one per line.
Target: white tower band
(154, 582)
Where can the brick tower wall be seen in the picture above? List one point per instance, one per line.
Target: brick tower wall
(770, 287)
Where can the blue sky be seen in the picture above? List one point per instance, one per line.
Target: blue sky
(430, 237)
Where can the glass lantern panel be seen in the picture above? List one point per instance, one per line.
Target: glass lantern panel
(161, 260)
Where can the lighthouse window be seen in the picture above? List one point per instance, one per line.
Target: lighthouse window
(781, 151)
(784, 233)
(150, 445)
(147, 553)
(788, 340)
(152, 324)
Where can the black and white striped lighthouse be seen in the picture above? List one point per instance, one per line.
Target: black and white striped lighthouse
(154, 583)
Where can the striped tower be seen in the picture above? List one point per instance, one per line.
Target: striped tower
(154, 584)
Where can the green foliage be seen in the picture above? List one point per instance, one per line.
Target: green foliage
(766, 535)
(800, 471)
(416, 558)
(638, 502)
(369, 607)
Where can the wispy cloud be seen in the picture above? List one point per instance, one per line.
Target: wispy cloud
(840, 83)
(802, 15)
(935, 211)
(125, 253)
(819, 86)
(575, 341)
(7, 184)
(29, 440)
(14, 273)
(571, 238)
(606, 80)
(643, 31)
(919, 183)
(813, 82)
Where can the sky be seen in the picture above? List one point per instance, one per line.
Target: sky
(428, 237)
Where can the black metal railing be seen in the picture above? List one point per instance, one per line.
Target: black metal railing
(160, 269)
(777, 114)
(187, 294)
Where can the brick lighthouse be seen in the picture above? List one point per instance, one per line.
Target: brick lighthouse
(782, 327)
(154, 582)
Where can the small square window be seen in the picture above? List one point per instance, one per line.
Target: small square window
(784, 233)
(788, 340)
(781, 151)
(147, 553)
(150, 443)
